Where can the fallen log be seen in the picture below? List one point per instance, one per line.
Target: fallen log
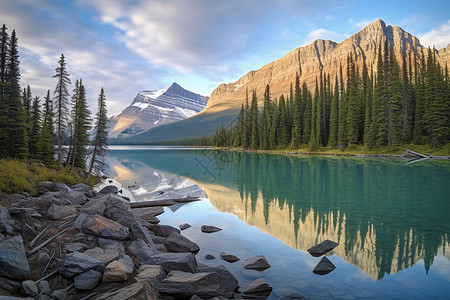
(412, 153)
(165, 202)
(32, 251)
(39, 235)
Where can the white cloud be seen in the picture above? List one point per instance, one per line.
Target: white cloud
(439, 37)
(324, 34)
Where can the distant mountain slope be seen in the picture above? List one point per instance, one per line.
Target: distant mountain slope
(308, 61)
(150, 109)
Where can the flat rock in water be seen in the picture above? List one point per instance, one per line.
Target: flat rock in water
(87, 280)
(149, 211)
(185, 262)
(322, 248)
(259, 287)
(209, 228)
(229, 257)
(13, 261)
(184, 226)
(178, 243)
(324, 266)
(258, 262)
(209, 257)
(291, 296)
(77, 263)
(185, 285)
(57, 212)
(103, 227)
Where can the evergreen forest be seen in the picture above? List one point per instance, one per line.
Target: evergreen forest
(55, 131)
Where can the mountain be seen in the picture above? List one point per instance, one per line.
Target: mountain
(150, 109)
(308, 61)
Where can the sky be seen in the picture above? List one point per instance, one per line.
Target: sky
(127, 46)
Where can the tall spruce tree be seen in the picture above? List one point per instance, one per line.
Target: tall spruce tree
(283, 135)
(61, 105)
(99, 144)
(45, 149)
(82, 125)
(35, 127)
(334, 116)
(254, 122)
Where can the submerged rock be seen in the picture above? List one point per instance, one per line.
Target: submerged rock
(229, 257)
(209, 229)
(13, 261)
(324, 266)
(291, 296)
(184, 226)
(163, 230)
(258, 262)
(322, 248)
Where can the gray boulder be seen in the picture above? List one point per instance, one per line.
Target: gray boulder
(44, 287)
(185, 262)
(229, 257)
(209, 228)
(137, 231)
(106, 255)
(54, 198)
(324, 266)
(61, 294)
(29, 288)
(155, 273)
(227, 280)
(57, 212)
(142, 251)
(185, 285)
(9, 285)
(178, 243)
(113, 244)
(139, 290)
(163, 230)
(322, 248)
(87, 280)
(13, 261)
(258, 262)
(5, 220)
(109, 189)
(103, 227)
(80, 187)
(259, 288)
(77, 263)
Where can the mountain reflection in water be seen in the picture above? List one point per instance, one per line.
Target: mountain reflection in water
(385, 215)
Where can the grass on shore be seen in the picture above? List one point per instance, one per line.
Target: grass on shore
(362, 150)
(18, 176)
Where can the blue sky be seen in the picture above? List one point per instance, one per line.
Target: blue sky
(132, 45)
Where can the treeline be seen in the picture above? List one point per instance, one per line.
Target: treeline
(393, 106)
(50, 133)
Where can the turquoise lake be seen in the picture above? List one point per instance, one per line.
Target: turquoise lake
(390, 218)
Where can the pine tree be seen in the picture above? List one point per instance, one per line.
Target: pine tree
(82, 125)
(334, 116)
(35, 130)
(72, 123)
(420, 106)
(273, 131)
(353, 108)
(45, 149)
(394, 109)
(247, 123)
(265, 121)
(61, 105)
(4, 53)
(100, 142)
(316, 120)
(283, 137)
(297, 115)
(17, 127)
(367, 98)
(307, 97)
(241, 127)
(342, 128)
(254, 122)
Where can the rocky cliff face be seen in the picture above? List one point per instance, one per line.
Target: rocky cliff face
(153, 108)
(321, 55)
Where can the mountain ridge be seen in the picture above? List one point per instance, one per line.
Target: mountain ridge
(150, 109)
(310, 61)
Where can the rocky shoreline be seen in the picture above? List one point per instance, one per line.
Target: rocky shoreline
(77, 243)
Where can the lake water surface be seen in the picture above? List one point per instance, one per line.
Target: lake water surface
(391, 219)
